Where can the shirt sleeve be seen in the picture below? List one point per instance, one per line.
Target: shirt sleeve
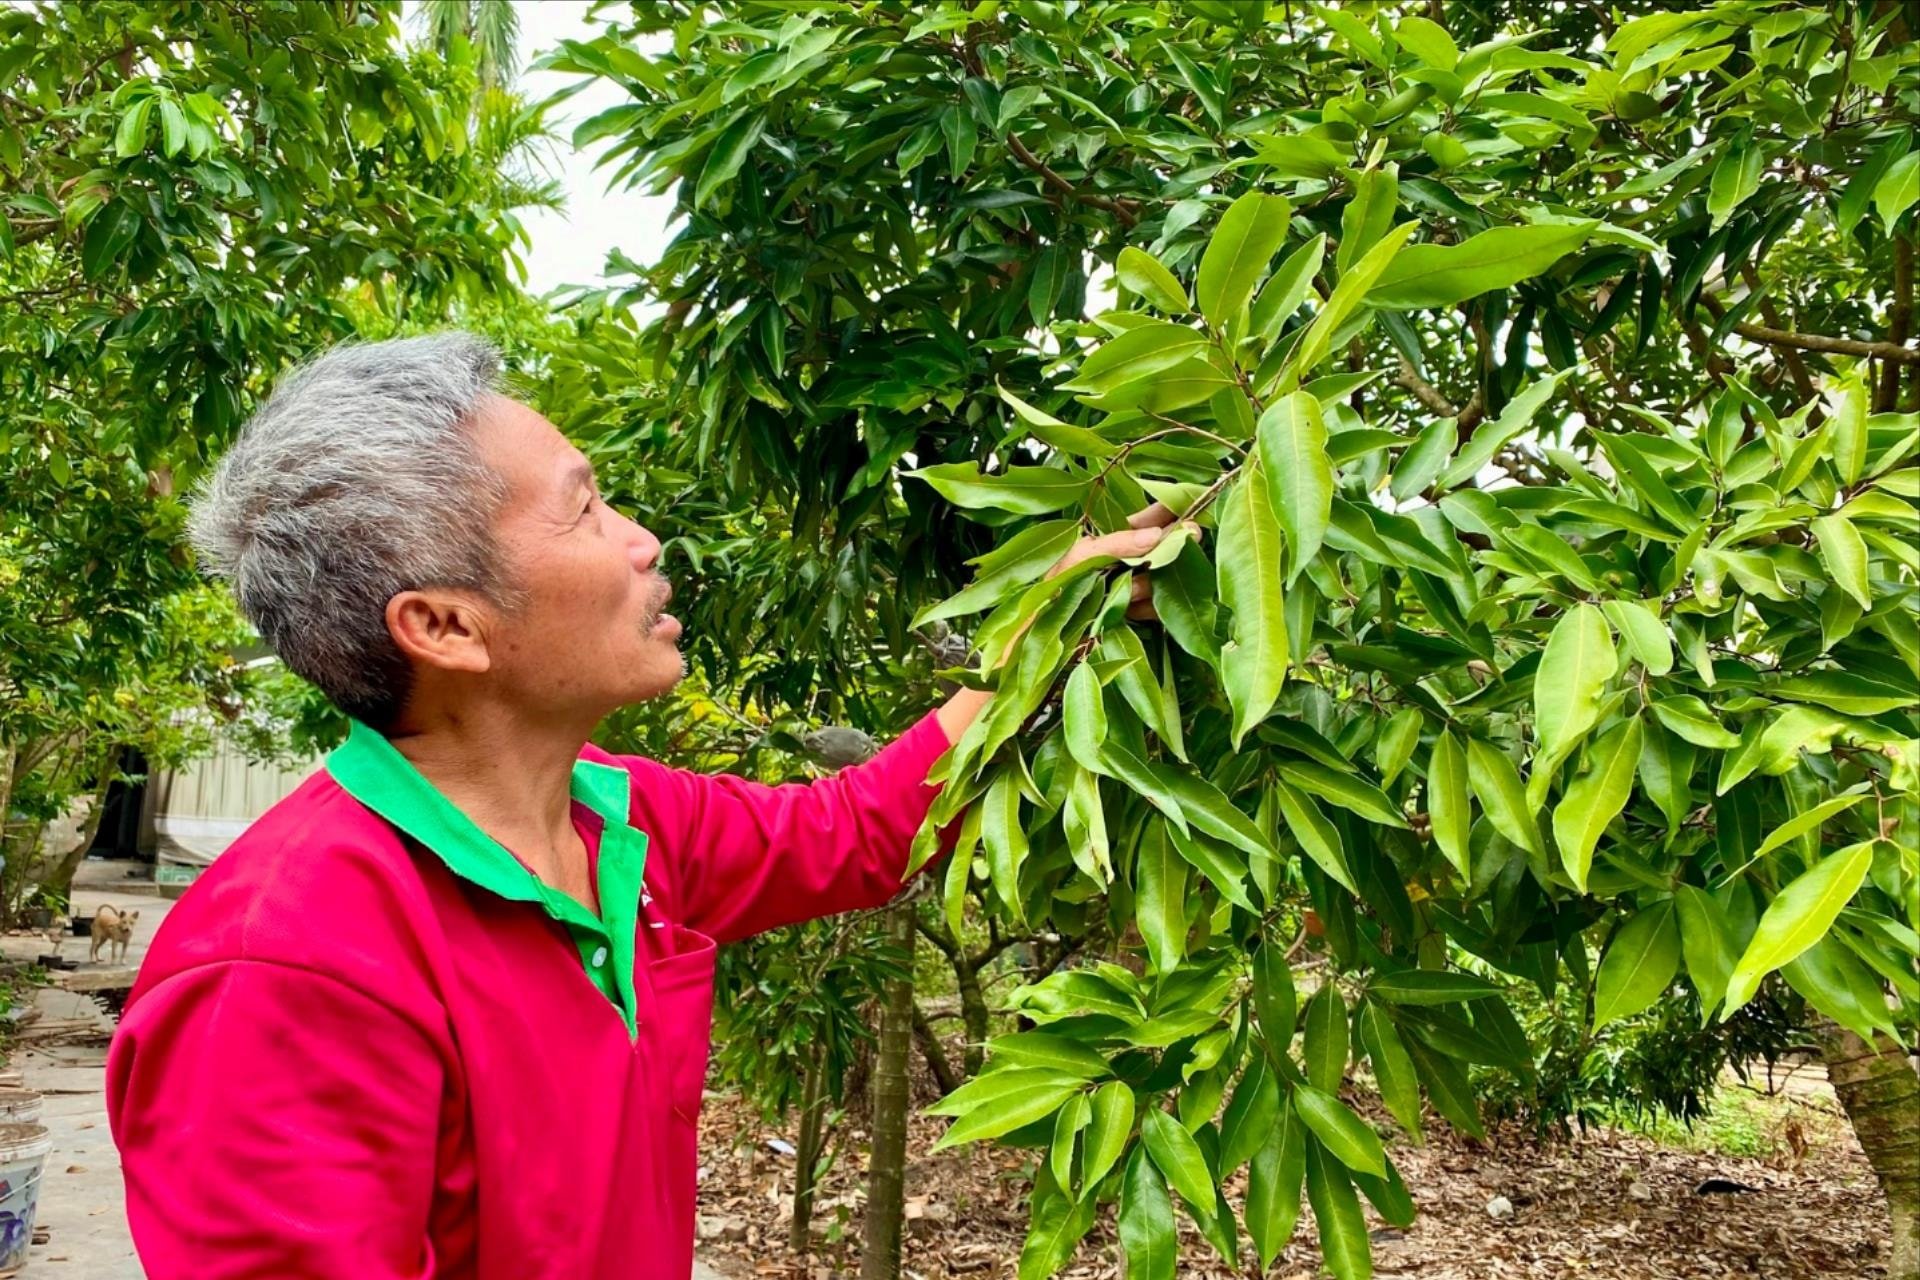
(746, 857)
(273, 1121)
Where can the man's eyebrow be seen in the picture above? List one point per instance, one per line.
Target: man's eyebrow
(581, 475)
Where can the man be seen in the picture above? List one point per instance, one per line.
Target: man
(444, 1011)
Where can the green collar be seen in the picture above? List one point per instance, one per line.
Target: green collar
(372, 771)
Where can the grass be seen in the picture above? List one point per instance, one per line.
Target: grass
(1748, 1124)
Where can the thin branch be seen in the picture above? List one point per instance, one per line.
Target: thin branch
(1895, 351)
(1796, 367)
(1126, 210)
(1899, 323)
(1433, 399)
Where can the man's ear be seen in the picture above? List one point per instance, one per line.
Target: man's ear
(444, 629)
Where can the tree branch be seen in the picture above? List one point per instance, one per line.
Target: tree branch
(1895, 351)
(1126, 210)
(1431, 397)
(1899, 323)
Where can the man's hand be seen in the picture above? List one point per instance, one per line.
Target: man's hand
(1143, 533)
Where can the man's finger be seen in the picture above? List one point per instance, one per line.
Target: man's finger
(1125, 543)
(1153, 517)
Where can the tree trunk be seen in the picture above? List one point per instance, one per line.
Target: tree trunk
(813, 1096)
(887, 1171)
(973, 1013)
(58, 878)
(935, 1055)
(1880, 1091)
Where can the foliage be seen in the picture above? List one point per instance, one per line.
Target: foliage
(193, 196)
(1551, 583)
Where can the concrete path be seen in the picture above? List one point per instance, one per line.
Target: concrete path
(82, 1198)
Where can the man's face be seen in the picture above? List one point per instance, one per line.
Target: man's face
(591, 634)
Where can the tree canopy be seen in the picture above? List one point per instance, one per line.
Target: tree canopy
(1539, 385)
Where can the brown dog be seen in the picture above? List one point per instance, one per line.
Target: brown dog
(112, 925)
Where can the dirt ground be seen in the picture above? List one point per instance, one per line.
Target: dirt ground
(1608, 1204)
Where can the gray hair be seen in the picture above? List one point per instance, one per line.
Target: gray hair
(357, 480)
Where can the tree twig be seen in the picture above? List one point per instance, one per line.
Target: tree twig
(1126, 210)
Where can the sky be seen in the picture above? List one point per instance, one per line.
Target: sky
(570, 247)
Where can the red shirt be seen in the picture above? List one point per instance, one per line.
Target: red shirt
(345, 1059)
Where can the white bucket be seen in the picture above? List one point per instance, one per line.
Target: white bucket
(19, 1106)
(23, 1158)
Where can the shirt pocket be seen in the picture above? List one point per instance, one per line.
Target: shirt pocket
(682, 981)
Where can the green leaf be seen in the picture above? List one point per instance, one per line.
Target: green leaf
(1160, 898)
(1192, 381)
(1084, 719)
(1058, 1224)
(1428, 41)
(1835, 982)
(1578, 661)
(1286, 288)
(1641, 630)
(1253, 663)
(1318, 836)
(1274, 1000)
(1050, 1051)
(1021, 490)
(1392, 1068)
(1798, 917)
(1376, 197)
(1596, 798)
(1336, 1211)
(1844, 691)
(1802, 823)
(130, 138)
(1177, 1156)
(1297, 474)
(1325, 1045)
(1447, 804)
(1396, 743)
(1860, 186)
(1018, 561)
(1251, 229)
(1735, 177)
(1067, 1125)
(1249, 1117)
(1707, 944)
(1227, 874)
(1423, 462)
(1146, 1222)
(1140, 272)
(1429, 987)
(1666, 773)
(1497, 783)
(1273, 1187)
(1183, 596)
(1004, 839)
(1431, 275)
(1350, 1139)
(1348, 790)
(1774, 748)
(1005, 1114)
(1847, 428)
(1050, 269)
(1140, 351)
(173, 127)
(990, 1087)
(1447, 1087)
(1490, 437)
(1110, 1126)
(1844, 555)
(1693, 720)
(1640, 964)
(730, 151)
(1897, 189)
(1343, 302)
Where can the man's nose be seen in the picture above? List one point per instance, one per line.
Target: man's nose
(644, 549)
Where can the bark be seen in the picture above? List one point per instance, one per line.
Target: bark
(974, 1013)
(807, 1154)
(1899, 325)
(58, 878)
(887, 1171)
(936, 1056)
(1880, 1091)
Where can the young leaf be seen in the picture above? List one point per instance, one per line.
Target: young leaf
(1447, 804)
(1253, 663)
(1640, 963)
(1693, 720)
(1798, 917)
(1298, 476)
(1595, 798)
